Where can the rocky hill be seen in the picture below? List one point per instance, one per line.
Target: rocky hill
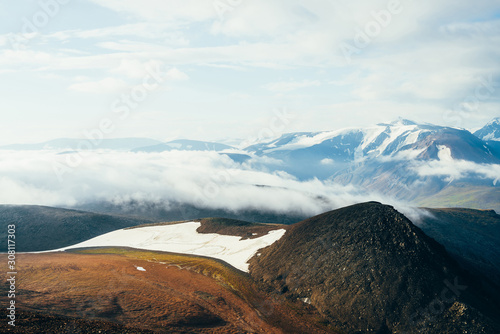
(367, 268)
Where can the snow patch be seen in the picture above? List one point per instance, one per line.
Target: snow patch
(306, 300)
(491, 136)
(395, 133)
(371, 134)
(327, 161)
(412, 138)
(183, 238)
(444, 153)
(140, 268)
(308, 140)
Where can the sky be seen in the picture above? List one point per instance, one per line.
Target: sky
(226, 70)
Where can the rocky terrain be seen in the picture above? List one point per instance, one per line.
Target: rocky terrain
(367, 268)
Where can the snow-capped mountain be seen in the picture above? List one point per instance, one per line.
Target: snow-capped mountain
(401, 159)
(323, 154)
(348, 144)
(380, 140)
(490, 131)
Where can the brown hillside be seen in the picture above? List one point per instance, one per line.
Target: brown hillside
(103, 289)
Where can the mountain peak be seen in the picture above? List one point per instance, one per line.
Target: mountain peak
(494, 121)
(399, 122)
(491, 131)
(403, 121)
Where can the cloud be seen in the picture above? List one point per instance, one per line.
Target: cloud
(167, 33)
(472, 29)
(454, 170)
(104, 86)
(203, 179)
(287, 86)
(176, 74)
(136, 69)
(327, 161)
(163, 10)
(276, 18)
(409, 57)
(132, 68)
(25, 58)
(258, 54)
(445, 166)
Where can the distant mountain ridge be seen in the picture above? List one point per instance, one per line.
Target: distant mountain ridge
(184, 145)
(79, 144)
(343, 145)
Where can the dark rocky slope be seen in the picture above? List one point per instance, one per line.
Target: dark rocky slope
(472, 237)
(226, 226)
(243, 229)
(367, 268)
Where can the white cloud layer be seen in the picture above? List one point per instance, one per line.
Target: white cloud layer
(455, 170)
(204, 179)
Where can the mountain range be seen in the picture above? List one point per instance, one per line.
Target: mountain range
(423, 164)
(344, 145)
(78, 144)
